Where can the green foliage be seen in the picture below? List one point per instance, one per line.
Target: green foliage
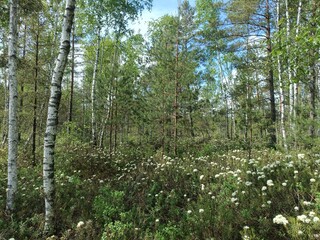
(222, 196)
(108, 205)
(222, 183)
(117, 230)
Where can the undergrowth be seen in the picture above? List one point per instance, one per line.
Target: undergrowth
(128, 195)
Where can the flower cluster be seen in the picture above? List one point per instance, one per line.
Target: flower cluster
(279, 219)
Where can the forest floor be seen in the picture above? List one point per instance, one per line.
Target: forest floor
(269, 195)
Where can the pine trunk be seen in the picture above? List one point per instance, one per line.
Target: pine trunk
(13, 111)
(35, 101)
(273, 116)
(313, 75)
(176, 89)
(175, 104)
(72, 81)
(52, 119)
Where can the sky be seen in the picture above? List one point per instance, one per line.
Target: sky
(159, 8)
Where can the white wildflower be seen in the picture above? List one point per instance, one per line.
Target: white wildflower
(80, 224)
(303, 218)
(201, 210)
(270, 183)
(263, 188)
(279, 219)
(189, 211)
(296, 208)
(234, 199)
(315, 219)
(306, 203)
(312, 214)
(312, 180)
(248, 183)
(201, 177)
(301, 156)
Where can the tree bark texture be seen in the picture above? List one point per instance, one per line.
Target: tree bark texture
(281, 88)
(93, 95)
(273, 116)
(35, 100)
(313, 76)
(52, 118)
(13, 110)
(72, 80)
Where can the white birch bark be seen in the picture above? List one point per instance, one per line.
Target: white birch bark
(4, 131)
(93, 95)
(291, 84)
(52, 118)
(282, 97)
(13, 101)
(294, 86)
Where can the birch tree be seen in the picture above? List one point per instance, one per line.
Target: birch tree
(52, 118)
(93, 93)
(295, 86)
(13, 100)
(313, 75)
(281, 90)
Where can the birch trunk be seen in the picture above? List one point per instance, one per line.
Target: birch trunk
(291, 85)
(52, 118)
(4, 131)
(295, 74)
(294, 88)
(13, 111)
(93, 95)
(282, 96)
